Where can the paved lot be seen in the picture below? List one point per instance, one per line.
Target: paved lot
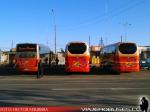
(97, 89)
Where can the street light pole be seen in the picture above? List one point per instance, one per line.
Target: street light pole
(54, 31)
(55, 38)
(89, 41)
(125, 29)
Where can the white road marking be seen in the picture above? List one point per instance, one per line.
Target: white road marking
(76, 89)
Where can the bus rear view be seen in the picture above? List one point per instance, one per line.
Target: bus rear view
(128, 57)
(26, 58)
(121, 57)
(77, 57)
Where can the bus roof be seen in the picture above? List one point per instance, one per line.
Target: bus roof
(76, 42)
(118, 43)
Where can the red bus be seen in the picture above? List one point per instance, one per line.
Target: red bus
(29, 55)
(120, 57)
(77, 57)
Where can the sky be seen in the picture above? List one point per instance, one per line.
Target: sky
(32, 21)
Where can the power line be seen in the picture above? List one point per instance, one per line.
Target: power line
(105, 17)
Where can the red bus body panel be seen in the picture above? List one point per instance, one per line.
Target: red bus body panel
(27, 64)
(127, 64)
(119, 62)
(77, 64)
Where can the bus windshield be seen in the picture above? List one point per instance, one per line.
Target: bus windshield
(127, 48)
(77, 48)
(27, 55)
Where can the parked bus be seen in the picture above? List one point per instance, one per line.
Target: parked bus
(77, 57)
(121, 57)
(144, 57)
(29, 55)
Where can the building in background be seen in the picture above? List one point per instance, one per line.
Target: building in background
(7, 57)
(4, 58)
(1, 52)
(61, 58)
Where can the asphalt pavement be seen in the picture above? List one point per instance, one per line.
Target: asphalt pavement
(94, 89)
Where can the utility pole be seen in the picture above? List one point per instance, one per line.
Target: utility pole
(121, 38)
(55, 39)
(47, 41)
(54, 31)
(126, 24)
(89, 41)
(12, 44)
